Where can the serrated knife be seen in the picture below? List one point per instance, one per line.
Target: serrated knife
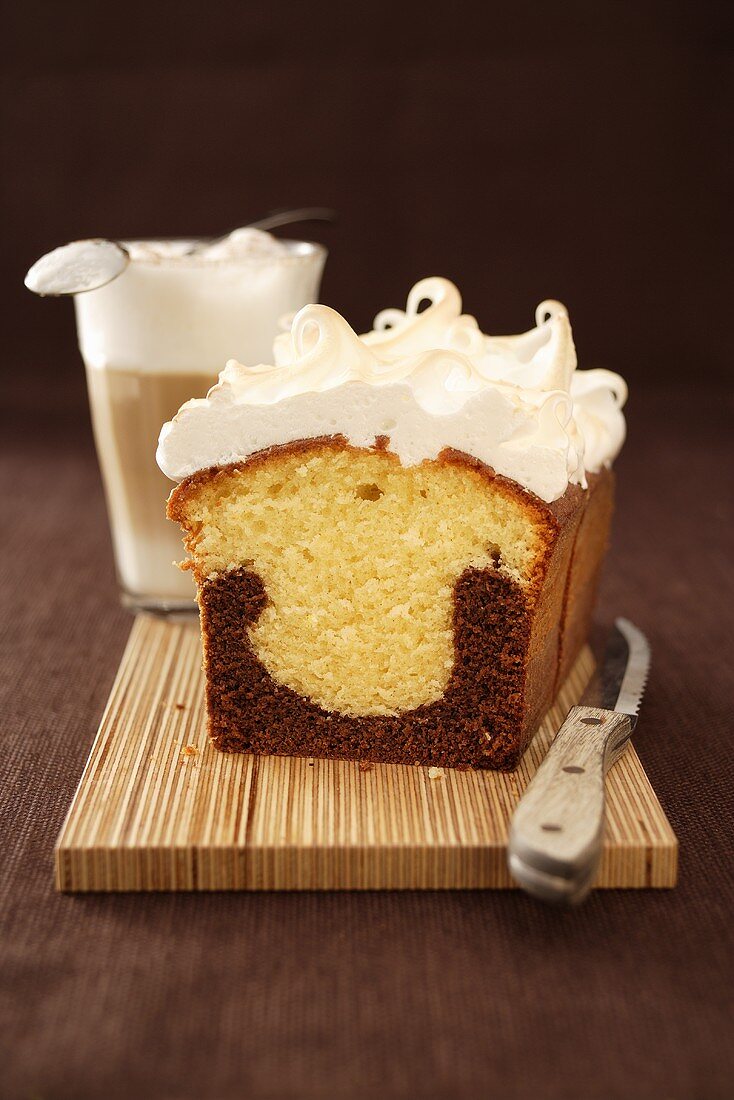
(557, 831)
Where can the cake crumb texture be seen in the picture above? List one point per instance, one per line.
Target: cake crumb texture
(359, 557)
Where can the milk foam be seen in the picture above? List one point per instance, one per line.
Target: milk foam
(189, 306)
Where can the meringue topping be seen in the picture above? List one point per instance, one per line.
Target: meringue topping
(425, 379)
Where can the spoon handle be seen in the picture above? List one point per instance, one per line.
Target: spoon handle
(289, 217)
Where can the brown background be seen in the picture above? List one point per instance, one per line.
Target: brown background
(526, 150)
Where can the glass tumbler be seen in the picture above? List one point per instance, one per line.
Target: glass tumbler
(151, 339)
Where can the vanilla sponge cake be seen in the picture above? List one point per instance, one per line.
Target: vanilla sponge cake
(388, 533)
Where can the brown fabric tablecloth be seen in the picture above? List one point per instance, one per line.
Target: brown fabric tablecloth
(378, 995)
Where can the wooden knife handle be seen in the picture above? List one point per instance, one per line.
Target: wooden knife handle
(557, 830)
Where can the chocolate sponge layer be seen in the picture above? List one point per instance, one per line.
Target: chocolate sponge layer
(475, 723)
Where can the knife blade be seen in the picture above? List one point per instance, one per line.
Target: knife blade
(557, 831)
(619, 680)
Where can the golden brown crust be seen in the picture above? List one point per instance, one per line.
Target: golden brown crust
(582, 582)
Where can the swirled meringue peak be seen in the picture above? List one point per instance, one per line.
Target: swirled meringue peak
(424, 379)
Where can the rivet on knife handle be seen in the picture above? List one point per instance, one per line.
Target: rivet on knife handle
(557, 831)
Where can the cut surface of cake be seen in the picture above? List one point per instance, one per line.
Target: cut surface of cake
(396, 538)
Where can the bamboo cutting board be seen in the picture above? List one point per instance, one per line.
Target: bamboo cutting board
(157, 808)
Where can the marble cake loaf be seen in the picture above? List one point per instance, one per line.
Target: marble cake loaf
(396, 538)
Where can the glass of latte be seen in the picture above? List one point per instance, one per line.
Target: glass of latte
(153, 337)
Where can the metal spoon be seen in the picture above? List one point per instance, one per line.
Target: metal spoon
(77, 267)
(90, 264)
